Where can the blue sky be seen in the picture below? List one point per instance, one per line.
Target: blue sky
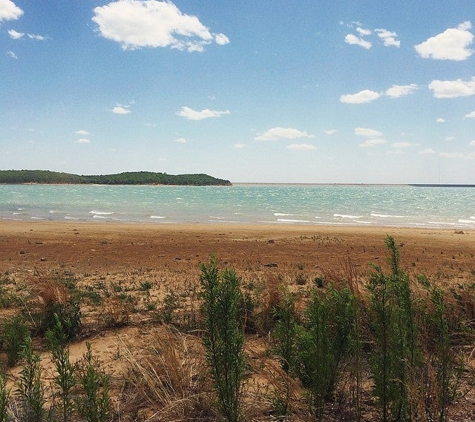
(271, 91)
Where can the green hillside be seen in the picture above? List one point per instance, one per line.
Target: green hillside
(128, 178)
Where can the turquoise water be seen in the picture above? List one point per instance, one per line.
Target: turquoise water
(400, 206)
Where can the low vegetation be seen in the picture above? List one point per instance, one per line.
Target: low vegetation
(127, 178)
(389, 347)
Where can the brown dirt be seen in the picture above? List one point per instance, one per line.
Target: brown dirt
(125, 256)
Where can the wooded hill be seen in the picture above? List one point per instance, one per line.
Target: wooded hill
(127, 178)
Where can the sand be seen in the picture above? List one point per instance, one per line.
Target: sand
(109, 248)
(119, 260)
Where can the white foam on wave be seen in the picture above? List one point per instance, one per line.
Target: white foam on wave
(467, 221)
(67, 217)
(288, 220)
(347, 216)
(281, 214)
(100, 212)
(442, 223)
(373, 214)
(216, 218)
(100, 216)
(158, 217)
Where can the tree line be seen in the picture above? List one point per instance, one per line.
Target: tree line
(127, 178)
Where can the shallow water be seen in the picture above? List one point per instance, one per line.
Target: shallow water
(350, 205)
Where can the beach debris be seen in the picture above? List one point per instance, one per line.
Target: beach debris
(459, 232)
(271, 265)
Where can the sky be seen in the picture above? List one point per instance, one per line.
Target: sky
(249, 91)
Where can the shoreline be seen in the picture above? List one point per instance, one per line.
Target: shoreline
(109, 250)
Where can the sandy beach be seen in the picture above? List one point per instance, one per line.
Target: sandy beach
(104, 249)
(146, 270)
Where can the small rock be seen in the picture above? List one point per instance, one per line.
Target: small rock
(43, 259)
(459, 232)
(271, 241)
(22, 252)
(271, 265)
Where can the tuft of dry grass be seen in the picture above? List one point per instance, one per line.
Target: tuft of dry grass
(168, 380)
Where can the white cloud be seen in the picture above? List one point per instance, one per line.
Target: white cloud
(240, 146)
(369, 133)
(181, 140)
(118, 109)
(372, 142)
(221, 39)
(427, 151)
(388, 37)
(361, 97)
(402, 145)
(14, 35)
(363, 31)
(470, 115)
(282, 133)
(451, 154)
(82, 132)
(397, 91)
(472, 143)
(82, 141)
(440, 120)
(12, 55)
(301, 147)
(151, 23)
(452, 44)
(191, 114)
(36, 37)
(330, 132)
(354, 40)
(450, 138)
(9, 11)
(452, 89)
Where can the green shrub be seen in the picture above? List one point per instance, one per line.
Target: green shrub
(285, 331)
(223, 338)
(64, 379)
(29, 388)
(323, 342)
(14, 332)
(396, 357)
(94, 403)
(5, 413)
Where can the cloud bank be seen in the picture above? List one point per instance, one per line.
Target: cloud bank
(191, 114)
(282, 133)
(151, 23)
(9, 11)
(365, 96)
(452, 44)
(453, 89)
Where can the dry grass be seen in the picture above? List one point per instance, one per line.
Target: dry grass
(168, 380)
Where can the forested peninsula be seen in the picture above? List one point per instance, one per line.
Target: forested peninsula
(127, 178)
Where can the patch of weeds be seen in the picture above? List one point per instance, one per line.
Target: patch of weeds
(301, 279)
(29, 389)
(171, 303)
(7, 299)
(116, 313)
(55, 299)
(146, 285)
(94, 403)
(14, 331)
